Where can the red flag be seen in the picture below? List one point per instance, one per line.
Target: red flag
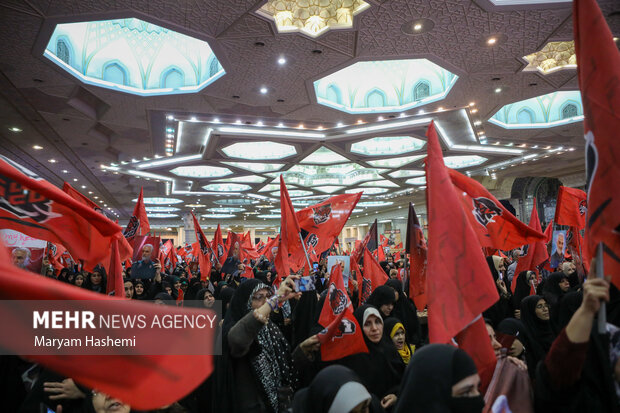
(549, 232)
(374, 275)
(598, 69)
(535, 253)
(128, 378)
(474, 340)
(461, 287)
(205, 254)
(115, 274)
(416, 247)
(370, 242)
(267, 251)
(342, 335)
(291, 253)
(180, 297)
(321, 224)
(75, 194)
(494, 225)
(34, 207)
(218, 246)
(54, 254)
(138, 223)
(571, 207)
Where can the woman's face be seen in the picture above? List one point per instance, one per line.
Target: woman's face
(542, 310)
(79, 280)
(177, 285)
(564, 284)
(95, 278)
(399, 338)
(128, 290)
(139, 288)
(209, 300)
(468, 387)
(396, 293)
(259, 298)
(102, 403)
(531, 277)
(373, 328)
(169, 291)
(386, 309)
(516, 349)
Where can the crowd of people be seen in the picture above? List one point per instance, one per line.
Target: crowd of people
(271, 360)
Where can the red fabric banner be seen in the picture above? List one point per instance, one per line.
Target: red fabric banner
(461, 287)
(218, 245)
(34, 207)
(138, 223)
(494, 225)
(535, 253)
(571, 207)
(205, 253)
(373, 273)
(416, 247)
(115, 274)
(75, 194)
(342, 335)
(290, 253)
(598, 70)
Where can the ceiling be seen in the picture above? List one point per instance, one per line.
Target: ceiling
(312, 99)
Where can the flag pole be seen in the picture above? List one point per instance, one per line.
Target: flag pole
(602, 312)
(303, 244)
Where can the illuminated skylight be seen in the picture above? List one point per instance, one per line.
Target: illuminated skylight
(256, 167)
(259, 150)
(250, 179)
(367, 204)
(417, 181)
(395, 162)
(384, 86)
(269, 216)
(383, 182)
(312, 18)
(201, 171)
(553, 57)
(134, 56)
(553, 109)
(367, 191)
(227, 187)
(405, 173)
(324, 156)
(342, 174)
(275, 187)
(217, 216)
(390, 145)
(225, 210)
(195, 205)
(457, 162)
(235, 201)
(293, 193)
(161, 215)
(160, 209)
(328, 189)
(159, 201)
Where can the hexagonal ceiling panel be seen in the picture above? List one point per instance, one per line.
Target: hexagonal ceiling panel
(395, 162)
(312, 18)
(227, 187)
(201, 171)
(133, 56)
(552, 57)
(256, 167)
(457, 162)
(552, 109)
(384, 86)
(405, 173)
(343, 174)
(249, 179)
(255, 151)
(389, 145)
(323, 156)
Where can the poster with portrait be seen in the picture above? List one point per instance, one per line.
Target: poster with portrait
(558, 248)
(145, 253)
(393, 239)
(342, 260)
(26, 252)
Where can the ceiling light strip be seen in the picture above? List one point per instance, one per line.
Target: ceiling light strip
(270, 132)
(386, 126)
(169, 161)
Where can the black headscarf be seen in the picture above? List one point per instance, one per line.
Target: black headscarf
(270, 354)
(566, 308)
(522, 289)
(380, 296)
(427, 384)
(516, 328)
(381, 368)
(539, 330)
(552, 291)
(303, 316)
(502, 308)
(406, 312)
(335, 387)
(142, 296)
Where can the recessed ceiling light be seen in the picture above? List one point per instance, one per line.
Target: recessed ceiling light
(15, 129)
(64, 171)
(75, 179)
(280, 125)
(417, 27)
(301, 126)
(472, 103)
(260, 123)
(359, 121)
(474, 110)
(263, 90)
(193, 119)
(83, 186)
(238, 122)
(339, 125)
(380, 118)
(37, 147)
(170, 117)
(216, 120)
(440, 108)
(96, 197)
(90, 192)
(499, 89)
(477, 123)
(491, 41)
(52, 161)
(281, 61)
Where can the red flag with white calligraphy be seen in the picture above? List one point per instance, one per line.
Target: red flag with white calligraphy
(571, 207)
